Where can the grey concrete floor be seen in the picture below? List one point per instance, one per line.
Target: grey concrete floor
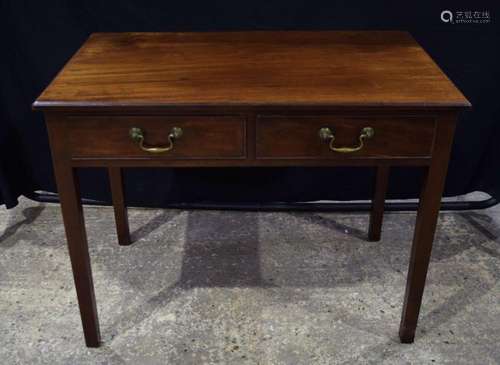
(212, 287)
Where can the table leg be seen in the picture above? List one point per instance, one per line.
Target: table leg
(121, 216)
(69, 195)
(427, 215)
(377, 212)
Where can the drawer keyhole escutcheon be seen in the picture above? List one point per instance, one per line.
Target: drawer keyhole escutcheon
(137, 136)
(326, 134)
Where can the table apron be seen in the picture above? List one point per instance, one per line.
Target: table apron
(145, 162)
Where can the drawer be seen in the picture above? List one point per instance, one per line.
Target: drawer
(200, 137)
(298, 137)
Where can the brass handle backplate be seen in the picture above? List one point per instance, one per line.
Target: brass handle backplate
(137, 136)
(326, 134)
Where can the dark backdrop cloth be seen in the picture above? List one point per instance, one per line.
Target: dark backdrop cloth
(40, 36)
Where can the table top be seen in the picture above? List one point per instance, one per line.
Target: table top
(259, 68)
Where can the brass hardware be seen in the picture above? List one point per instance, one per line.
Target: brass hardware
(137, 136)
(326, 134)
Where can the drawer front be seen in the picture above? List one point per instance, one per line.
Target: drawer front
(201, 137)
(298, 137)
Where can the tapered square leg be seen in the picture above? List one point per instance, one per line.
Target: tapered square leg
(74, 225)
(377, 212)
(425, 227)
(121, 216)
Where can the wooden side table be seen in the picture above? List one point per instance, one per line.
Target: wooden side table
(250, 99)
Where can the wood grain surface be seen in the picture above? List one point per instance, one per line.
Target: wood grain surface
(328, 68)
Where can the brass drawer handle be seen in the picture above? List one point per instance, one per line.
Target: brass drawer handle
(137, 136)
(326, 134)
